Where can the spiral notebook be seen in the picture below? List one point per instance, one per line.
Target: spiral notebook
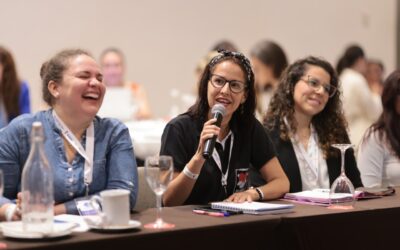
(318, 197)
(253, 207)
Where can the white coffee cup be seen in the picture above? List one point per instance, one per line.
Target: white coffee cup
(115, 207)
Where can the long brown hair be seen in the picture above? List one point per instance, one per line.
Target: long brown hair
(329, 124)
(9, 84)
(388, 124)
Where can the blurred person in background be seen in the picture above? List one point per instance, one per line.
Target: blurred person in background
(379, 152)
(375, 72)
(113, 65)
(269, 61)
(14, 94)
(361, 106)
(225, 45)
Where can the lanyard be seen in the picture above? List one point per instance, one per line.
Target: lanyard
(312, 162)
(217, 159)
(87, 154)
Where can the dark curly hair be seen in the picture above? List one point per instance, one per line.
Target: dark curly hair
(329, 124)
(242, 115)
(388, 124)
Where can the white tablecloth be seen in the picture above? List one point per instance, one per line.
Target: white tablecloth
(146, 136)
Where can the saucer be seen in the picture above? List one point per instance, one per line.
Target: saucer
(133, 224)
(14, 230)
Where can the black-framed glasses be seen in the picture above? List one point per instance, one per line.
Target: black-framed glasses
(317, 84)
(234, 85)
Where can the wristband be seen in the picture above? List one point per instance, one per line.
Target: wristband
(190, 174)
(260, 194)
(10, 212)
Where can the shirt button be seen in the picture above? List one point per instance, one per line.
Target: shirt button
(71, 194)
(71, 180)
(69, 169)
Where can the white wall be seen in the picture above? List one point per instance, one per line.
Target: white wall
(163, 40)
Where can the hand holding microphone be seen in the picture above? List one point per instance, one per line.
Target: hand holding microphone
(218, 112)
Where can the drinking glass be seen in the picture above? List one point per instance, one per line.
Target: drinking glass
(342, 191)
(158, 172)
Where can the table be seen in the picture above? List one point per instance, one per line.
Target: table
(371, 225)
(192, 232)
(146, 136)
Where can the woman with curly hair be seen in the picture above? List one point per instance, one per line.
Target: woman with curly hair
(304, 119)
(379, 153)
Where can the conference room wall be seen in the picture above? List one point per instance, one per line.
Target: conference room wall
(163, 40)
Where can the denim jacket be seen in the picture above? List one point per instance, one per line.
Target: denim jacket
(114, 161)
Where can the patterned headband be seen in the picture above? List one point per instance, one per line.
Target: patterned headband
(225, 53)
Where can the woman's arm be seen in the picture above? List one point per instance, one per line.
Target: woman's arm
(120, 169)
(181, 186)
(140, 95)
(121, 165)
(12, 150)
(24, 99)
(277, 184)
(370, 161)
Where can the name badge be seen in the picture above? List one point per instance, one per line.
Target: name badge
(86, 207)
(242, 175)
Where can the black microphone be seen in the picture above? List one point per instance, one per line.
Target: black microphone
(217, 111)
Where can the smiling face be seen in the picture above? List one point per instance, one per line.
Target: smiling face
(231, 101)
(307, 100)
(81, 91)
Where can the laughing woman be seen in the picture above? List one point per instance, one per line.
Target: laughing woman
(73, 87)
(241, 141)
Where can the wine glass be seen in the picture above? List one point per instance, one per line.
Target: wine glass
(159, 171)
(342, 190)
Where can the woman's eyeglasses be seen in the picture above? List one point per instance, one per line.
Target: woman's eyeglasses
(316, 85)
(234, 85)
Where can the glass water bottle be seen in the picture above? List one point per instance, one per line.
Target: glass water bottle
(37, 186)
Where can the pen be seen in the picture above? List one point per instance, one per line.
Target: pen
(215, 214)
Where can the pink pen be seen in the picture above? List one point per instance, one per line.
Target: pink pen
(215, 214)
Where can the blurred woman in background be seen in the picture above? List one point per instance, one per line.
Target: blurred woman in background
(112, 62)
(374, 76)
(14, 94)
(269, 61)
(361, 106)
(379, 152)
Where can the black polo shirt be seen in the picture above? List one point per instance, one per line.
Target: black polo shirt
(251, 146)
